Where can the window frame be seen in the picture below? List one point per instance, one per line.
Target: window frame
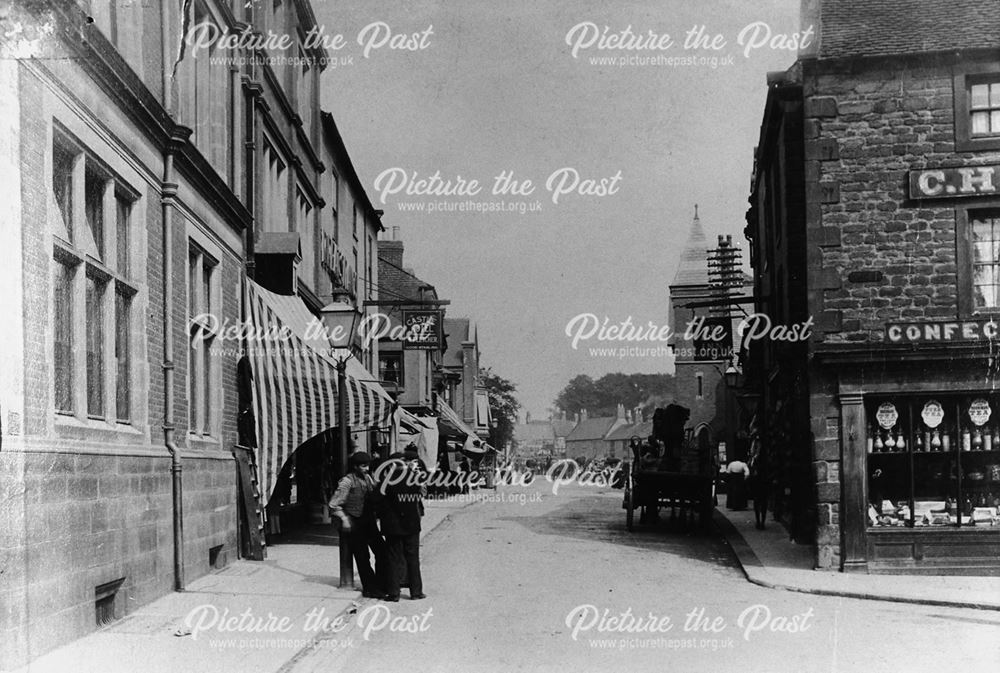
(203, 371)
(88, 265)
(398, 355)
(964, 257)
(962, 82)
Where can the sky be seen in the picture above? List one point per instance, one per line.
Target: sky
(470, 90)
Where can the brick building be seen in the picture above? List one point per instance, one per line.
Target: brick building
(874, 213)
(699, 370)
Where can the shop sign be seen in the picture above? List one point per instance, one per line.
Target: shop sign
(331, 260)
(887, 415)
(933, 414)
(932, 332)
(422, 330)
(979, 411)
(947, 183)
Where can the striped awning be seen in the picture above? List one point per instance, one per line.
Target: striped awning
(295, 381)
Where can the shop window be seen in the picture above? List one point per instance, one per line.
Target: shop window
(933, 461)
(977, 111)
(700, 386)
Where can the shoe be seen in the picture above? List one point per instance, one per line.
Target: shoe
(373, 594)
(391, 599)
(417, 597)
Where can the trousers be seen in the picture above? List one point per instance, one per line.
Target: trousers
(404, 561)
(364, 535)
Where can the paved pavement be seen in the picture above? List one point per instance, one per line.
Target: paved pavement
(298, 579)
(771, 560)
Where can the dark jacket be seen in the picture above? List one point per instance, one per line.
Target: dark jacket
(402, 505)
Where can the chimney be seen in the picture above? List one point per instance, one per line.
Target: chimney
(391, 252)
(583, 414)
(564, 414)
(576, 418)
(395, 233)
(638, 415)
(628, 417)
(620, 411)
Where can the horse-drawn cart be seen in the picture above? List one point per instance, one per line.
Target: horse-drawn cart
(675, 474)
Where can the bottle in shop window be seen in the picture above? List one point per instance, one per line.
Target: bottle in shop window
(935, 443)
(900, 442)
(966, 440)
(945, 440)
(918, 441)
(870, 442)
(890, 443)
(996, 439)
(977, 440)
(987, 440)
(879, 446)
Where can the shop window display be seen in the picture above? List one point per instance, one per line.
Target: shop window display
(933, 460)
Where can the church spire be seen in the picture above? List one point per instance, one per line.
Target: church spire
(692, 269)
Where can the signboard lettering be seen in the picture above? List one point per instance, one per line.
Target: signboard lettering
(947, 183)
(934, 332)
(422, 330)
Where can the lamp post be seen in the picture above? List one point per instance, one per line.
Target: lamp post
(341, 320)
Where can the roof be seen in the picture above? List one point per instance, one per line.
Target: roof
(394, 283)
(886, 27)
(562, 427)
(625, 432)
(591, 428)
(693, 266)
(534, 431)
(456, 330)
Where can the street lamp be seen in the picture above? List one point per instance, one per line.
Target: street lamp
(341, 320)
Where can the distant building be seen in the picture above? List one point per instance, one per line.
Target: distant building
(589, 438)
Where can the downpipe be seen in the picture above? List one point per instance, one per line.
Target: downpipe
(169, 194)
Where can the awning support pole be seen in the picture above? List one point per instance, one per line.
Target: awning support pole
(346, 562)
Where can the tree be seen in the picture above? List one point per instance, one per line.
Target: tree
(503, 407)
(602, 397)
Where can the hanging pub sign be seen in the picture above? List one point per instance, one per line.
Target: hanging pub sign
(713, 339)
(887, 415)
(933, 332)
(932, 413)
(423, 330)
(949, 183)
(979, 412)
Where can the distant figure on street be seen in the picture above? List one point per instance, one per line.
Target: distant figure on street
(354, 503)
(760, 487)
(736, 485)
(401, 508)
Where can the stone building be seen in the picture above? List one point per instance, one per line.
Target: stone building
(143, 185)
(874, 216)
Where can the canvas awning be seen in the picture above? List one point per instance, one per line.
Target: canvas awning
(295, 381)
(453, 425)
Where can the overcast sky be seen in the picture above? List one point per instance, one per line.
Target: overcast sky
(496, 88)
